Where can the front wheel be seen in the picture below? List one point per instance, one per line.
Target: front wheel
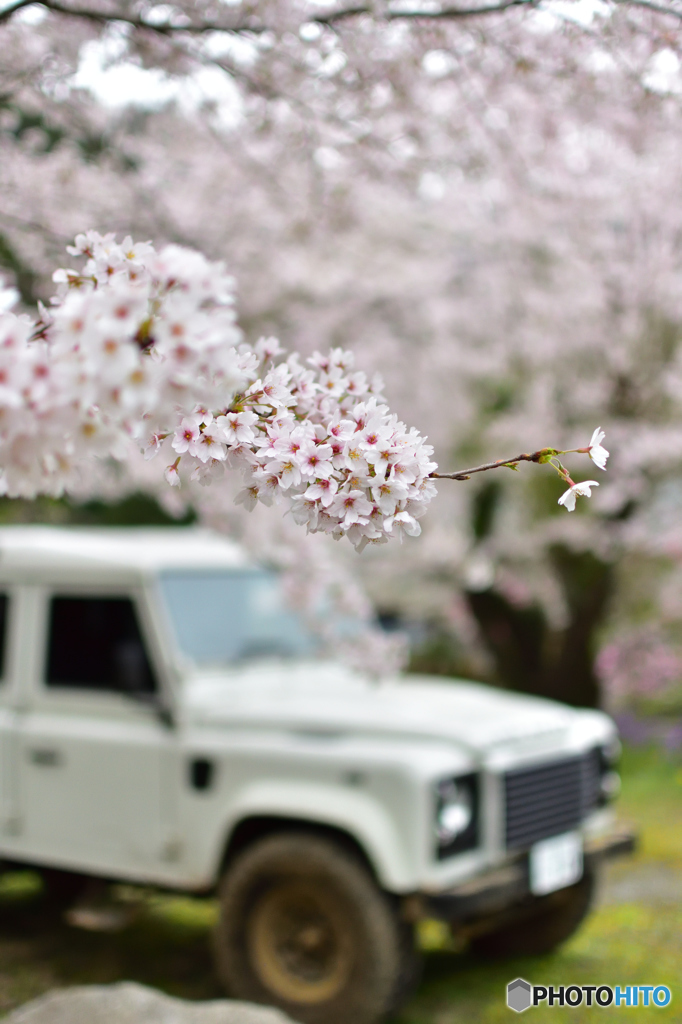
(542, 928)
(303, 926)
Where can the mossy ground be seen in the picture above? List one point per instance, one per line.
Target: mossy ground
(631, 940)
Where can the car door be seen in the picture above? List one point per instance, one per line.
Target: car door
(94, 756)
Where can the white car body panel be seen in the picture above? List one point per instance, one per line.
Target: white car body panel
(96, 782)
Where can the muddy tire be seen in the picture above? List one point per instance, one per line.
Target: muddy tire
(542, 928)
(303, 926)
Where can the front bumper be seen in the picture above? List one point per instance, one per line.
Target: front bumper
(509, 886)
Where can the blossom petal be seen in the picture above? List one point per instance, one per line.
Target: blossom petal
(584, 486)
(567, 499)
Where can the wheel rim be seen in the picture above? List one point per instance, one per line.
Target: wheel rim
(299, 942)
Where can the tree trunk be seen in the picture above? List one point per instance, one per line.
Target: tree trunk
(532, 658)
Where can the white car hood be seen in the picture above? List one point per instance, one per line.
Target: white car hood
(332, 700)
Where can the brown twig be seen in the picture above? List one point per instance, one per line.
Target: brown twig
(464, 474)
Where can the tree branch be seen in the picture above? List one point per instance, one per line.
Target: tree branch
(135, 21)
(650, 5)
(435, 14)
(332, 18)
(464, 474)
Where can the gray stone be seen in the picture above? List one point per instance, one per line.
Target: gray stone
(130, 1003)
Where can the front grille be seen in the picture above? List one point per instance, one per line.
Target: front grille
(549, 799)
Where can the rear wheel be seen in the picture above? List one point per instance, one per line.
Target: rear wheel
(541, 929)
(303, 926)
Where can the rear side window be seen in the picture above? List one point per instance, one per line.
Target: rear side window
(4, 605)
(95, 643)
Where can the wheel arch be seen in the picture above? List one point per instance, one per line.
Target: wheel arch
(258, 826)
(353, 820)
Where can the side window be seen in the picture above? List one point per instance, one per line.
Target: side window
(4, 605)
(95, 643)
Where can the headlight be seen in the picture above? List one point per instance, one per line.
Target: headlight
(457, 815)
(609, 779)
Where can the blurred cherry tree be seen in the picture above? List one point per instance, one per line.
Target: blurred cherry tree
(480, 205)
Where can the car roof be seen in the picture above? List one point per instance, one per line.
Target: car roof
(142, 550)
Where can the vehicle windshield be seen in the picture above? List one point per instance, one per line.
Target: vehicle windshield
(225, 616)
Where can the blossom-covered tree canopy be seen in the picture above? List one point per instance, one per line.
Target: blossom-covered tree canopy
(480, 207)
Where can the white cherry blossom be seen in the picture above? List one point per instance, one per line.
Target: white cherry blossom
(583, 488)
(598, 454)
(188, 435)
(404, 524)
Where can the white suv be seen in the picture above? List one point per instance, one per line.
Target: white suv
(163, 720)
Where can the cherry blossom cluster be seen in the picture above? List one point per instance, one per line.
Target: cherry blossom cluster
(319, 437)
(598, 454)
(142, 347)
(128, 340)
(326, 442)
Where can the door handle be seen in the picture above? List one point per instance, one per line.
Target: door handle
(45, 757)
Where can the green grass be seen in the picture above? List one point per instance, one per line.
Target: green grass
(168, 945)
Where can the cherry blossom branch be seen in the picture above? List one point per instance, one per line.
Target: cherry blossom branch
(142, 348)
(549, 456)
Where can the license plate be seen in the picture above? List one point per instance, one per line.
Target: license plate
(556, 863)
